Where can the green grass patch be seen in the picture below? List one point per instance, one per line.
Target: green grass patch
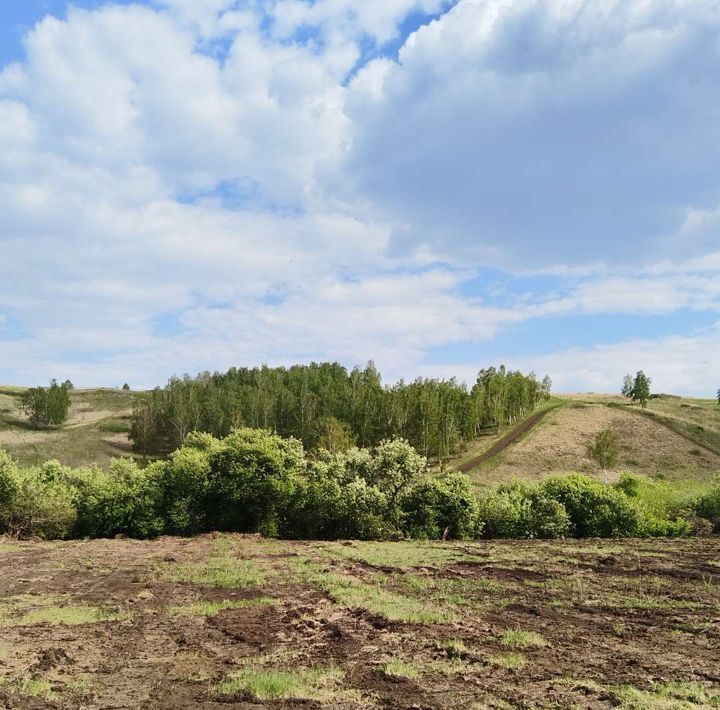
(403, 555)
(222, 571)
(453, 648)
(517, 638)
(114, 426)
(29, 687)
(319, 684)
(508, 660)
(374, 598)
(655, 603)
(669, 696)
(207, 608)
(401, 669)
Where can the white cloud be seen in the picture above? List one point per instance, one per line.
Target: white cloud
(541, 133)
(183, 163)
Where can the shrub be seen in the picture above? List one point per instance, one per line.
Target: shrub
(708, 507)
(328, 509)
(519, 510)
(252, 477)
(38, 508)
(183, 485)
(125, 500)
(594, 509)
(437, 508)
(7, 479)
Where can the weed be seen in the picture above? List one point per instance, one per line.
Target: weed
(30, 687)
(351, 592)
(220, 571)
(668, 696)
(67, 616)
(453, 648)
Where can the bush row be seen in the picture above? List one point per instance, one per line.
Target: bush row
(256, 481)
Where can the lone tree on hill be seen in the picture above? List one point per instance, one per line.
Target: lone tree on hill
(627, 387)
(641, 389)
(718, 397)
(46, 405)
(604, 450)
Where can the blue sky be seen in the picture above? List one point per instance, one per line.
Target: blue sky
(437, 186)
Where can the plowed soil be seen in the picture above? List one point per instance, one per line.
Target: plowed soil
(520, 624)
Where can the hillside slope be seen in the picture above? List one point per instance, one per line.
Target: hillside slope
(96, 430)
(675, 440)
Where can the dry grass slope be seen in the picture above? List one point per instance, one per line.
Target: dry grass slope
(95, 432)
(678, 442)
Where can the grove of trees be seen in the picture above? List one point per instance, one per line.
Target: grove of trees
(46, 406)
(322, 404)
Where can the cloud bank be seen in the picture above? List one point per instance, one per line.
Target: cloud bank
(191, 185)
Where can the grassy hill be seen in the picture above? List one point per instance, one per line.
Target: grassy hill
(676, 439)
(96, 430)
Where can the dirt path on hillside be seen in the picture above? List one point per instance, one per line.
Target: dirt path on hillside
(510, 438)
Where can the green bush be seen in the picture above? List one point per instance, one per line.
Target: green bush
(437, 508)
(7, 480)
(329, 508)
(594, 509)
(708, 507)
(183, 485)
(38, 508)
(253, 474)
(123, 500)
(520, 510)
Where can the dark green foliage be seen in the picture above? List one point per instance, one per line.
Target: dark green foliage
(641, 389)
(252, 480)
(325, 406)
(33, 504)
(441, 508)
(708, 507)
(520, 510)
(123, 500)
(47, 405)
(594, 509)
(326, 508)
(7, 479)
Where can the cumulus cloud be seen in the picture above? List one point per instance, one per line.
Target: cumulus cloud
(538, 132)
(191, 185)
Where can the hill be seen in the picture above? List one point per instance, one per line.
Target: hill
(676, 439)
(96, 430)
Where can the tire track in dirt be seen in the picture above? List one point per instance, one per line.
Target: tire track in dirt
(510, 438)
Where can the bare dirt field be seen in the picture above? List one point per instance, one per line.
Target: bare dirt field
(232, 621)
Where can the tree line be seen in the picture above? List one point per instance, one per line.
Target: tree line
(324, 405)
(254, 481)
